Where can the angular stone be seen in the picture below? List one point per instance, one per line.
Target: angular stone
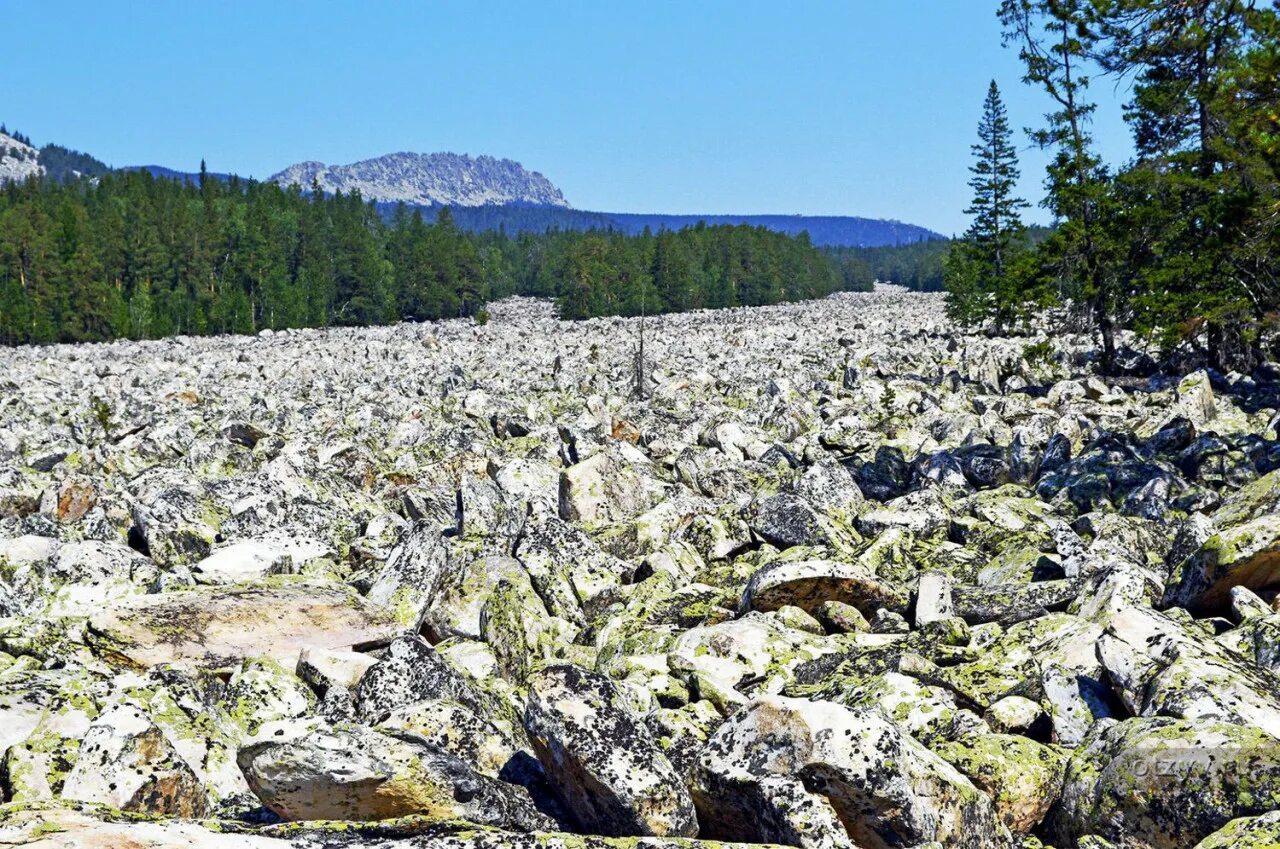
(601, 760)
(216, 627)
(610, 486)
(885, 787)
(933, 598)
(126, 762)
(1166, 783)
(1246, 555)
(807, 584)
(359, 774)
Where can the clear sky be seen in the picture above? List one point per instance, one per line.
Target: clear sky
(861, 107)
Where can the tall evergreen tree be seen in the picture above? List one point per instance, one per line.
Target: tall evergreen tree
(980, 279)
(1195, 198)
(1056, 41)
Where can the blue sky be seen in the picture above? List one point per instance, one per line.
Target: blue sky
(842, 108)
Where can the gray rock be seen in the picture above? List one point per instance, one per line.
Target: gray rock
(601, 759)
(808, 584)
(125, 762)
(359, 774)
(1165, 782)
(882, 785)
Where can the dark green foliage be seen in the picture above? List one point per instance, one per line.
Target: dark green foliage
(62, 164)
(823, 230)
(129, 255)
(1202, 195)
(981, 270)
(915, 265)
(1182, 243)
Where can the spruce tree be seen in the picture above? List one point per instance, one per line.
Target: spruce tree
(980, 276)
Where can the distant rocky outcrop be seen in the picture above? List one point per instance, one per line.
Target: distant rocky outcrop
(18, 160)
(428, 179)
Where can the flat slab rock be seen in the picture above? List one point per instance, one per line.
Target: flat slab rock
(215, 627)
(58, 828)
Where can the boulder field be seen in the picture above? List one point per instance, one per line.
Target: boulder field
(831, 575)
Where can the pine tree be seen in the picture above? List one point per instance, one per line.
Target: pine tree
(1191, 185)
(1057, 40)
(980, 279)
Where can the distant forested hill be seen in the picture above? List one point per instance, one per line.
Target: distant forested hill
(823, 230)
(416, 177)
(170, 174)
(60, 163)
(917, 265)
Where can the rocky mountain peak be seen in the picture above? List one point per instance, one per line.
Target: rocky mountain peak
(430, 178)
(18, 160)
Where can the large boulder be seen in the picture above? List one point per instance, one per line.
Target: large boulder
(77, 578)
(407, 583)
(1244, 555)
(126, 762)
(217, 627)
(358, 774)
(725, 661)
(613, 485)
(601, 759)
(1161, 783)
(886, 788)
(808, 584)
(1246, 833)
(1022, 777)
(412, 671)
(786, 520)
(1158, 665)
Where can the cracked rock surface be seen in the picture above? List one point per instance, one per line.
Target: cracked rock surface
(845, 576)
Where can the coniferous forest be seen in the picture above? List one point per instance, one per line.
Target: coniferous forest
(1182, 243)
(130, 255)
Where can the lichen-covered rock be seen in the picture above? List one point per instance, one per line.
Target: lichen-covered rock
(725, 661)
(63, 828)
(262, 691)
(1022, 777)
(885, 788)
(808, 584)
(786, 520)
(216, 627)
(1246, 833)
(79, 577)
(457, 729)
(601, 759)
(125, 762)
(611, 486)
(408, 581)
(1162, 665)
(359, 774)
(566, 568)
(412, 671)
(1166, 783)
(973, 544)
(1017, 715)
(515, 624)
(1245, 555)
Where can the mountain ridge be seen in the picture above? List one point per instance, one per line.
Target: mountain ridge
(483, 192)
(425, 179)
